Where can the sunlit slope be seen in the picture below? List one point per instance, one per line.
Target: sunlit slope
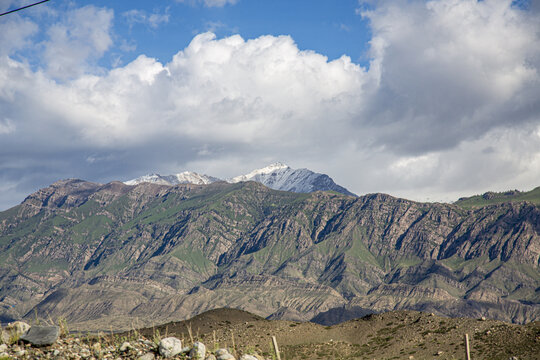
(89, 251)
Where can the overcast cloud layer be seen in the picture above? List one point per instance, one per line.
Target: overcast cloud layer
(449, 105)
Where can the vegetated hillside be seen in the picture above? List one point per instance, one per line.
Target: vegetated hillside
(490, 198)
(110, 253)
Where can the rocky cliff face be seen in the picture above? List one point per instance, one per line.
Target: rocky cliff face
(88, 251)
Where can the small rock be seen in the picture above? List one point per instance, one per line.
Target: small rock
(210, 357)
(198, 351)
(85, 353)
(170, 347)
(3, 347)
(226, 357)
(147, 356)
(4, 336)
(125, 347)
(13, 332)
(439, 353)
(513, 358)
(96, 349)
(248, 357)
(19, 327)
(20, 353)
(223, 354)
(42, 335)
(56, 352)
(483, 318)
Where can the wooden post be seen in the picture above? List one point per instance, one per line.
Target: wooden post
(233, 344)
(467, 349)
(276, 349)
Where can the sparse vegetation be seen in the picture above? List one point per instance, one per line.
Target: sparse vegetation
(491, 198)
(109, 254)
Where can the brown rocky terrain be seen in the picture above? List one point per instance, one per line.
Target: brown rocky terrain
(108, 254)
(392, 335)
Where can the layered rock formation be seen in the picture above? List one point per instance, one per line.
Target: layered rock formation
(94, 253)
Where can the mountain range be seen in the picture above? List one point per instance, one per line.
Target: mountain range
(100, 254)
(277, 176)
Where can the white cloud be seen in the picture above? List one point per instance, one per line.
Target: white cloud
(209, 3)
(452, 70)
(15, 33)
(219, 3)
(153, 20)
(7, 126)
(77, 42)
(449, 106)
(242, 91)
(261, 91)
(215, 26)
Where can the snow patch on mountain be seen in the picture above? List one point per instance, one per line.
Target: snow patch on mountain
(151, 178)
(260, 173)
(277, 176)
(186, 177)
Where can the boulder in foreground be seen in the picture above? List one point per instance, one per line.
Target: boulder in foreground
(42, 335)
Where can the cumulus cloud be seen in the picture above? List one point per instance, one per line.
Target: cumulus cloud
(452, 70)
(78, 41)
(15, 34)
(449, 106)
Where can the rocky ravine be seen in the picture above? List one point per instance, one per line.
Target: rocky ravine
(105, 254)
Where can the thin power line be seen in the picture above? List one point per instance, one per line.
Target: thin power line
(24, 7)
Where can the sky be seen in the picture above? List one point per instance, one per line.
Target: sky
(426, 100)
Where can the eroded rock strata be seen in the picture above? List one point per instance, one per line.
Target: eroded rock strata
(93, 253)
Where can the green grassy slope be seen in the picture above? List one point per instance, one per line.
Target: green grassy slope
(491, 198)
(223, 241)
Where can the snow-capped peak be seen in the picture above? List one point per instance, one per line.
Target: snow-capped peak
(151, 178)
(272, 168)
(186, 177)
(190, 177)
(277, 176)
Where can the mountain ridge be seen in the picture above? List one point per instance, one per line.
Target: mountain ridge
(96, 251)
(491, 197)
(186, 177)
(277, 176)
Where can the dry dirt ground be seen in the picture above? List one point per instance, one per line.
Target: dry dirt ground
(392, 335)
